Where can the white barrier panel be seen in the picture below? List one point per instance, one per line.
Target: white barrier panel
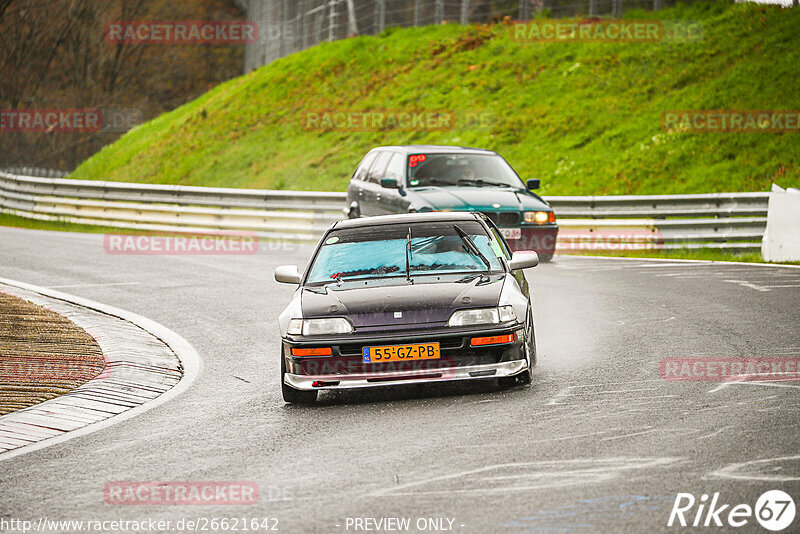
(782, 238)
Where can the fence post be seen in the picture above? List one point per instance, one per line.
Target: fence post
(592, 8)
(439, 14)
(417, 8)
(656, 5)
(283, 20)
(301, 5)
(464, 12)
(351, 18)
(524, 9)
(331, 19)
(616, 9)
(380, 14)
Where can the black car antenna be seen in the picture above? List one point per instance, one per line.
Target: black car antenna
(409, 255)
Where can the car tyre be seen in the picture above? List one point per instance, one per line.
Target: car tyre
(545, 258)
(295, 396)
(526, 376)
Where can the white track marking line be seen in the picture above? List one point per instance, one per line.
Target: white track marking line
(603, 469)
(623, 436)
(715, 433)
(70, 286)
(695, 262)
(747, 284)
(729, 471)
(776, 384)
(522, 444)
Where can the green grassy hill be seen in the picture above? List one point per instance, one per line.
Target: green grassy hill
(583, 117)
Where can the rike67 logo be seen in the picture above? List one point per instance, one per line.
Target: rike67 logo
(774, 510)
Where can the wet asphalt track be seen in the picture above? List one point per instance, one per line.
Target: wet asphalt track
(598, 443)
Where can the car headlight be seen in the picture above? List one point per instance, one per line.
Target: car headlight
(319, 327)
(538, 217)
(476, 316)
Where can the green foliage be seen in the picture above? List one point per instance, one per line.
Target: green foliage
(583, 117)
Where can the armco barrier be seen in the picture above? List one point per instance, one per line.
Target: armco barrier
(720, 220)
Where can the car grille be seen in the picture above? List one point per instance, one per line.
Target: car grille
(503, 218)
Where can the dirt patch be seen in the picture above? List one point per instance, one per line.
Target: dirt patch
(42, 354)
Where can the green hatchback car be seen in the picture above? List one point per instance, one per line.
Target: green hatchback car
(419, 178)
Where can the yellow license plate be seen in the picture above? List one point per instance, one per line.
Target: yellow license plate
(401, 353)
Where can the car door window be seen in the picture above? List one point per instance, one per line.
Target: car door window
(396, 168)
(376, 172)
(363, 168)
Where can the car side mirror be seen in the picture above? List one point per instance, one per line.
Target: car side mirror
(523, 259)
(390, 183)
(533, 183)
(287, 274)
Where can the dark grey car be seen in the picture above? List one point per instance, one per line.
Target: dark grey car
(404, 299)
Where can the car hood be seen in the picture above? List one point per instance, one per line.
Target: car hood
(424, 302)
(481, 199)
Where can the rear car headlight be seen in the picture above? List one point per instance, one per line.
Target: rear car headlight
(539, 217)
(476, 316)
(319, 327)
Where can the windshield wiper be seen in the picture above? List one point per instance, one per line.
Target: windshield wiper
(471, 247)
(480, 181)
(409, 255)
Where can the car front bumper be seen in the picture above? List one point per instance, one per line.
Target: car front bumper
(459, 360)
(446, 374)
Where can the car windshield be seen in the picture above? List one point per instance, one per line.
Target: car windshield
(380, 251)
(461, 170)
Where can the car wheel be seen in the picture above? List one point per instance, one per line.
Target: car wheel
(526, 376)
(295, 396)
(530, 348)
(545, 258)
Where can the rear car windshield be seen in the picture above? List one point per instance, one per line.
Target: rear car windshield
(461, 170)
(380, 251)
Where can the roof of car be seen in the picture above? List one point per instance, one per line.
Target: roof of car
(435, 149)
(406, 218)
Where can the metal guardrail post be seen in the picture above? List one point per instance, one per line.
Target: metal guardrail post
(380, 15)
(524, 9)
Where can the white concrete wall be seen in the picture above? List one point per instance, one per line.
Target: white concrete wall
(782, 238)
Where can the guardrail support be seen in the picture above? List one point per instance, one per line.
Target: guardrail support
(438, 17)
(380, 15)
